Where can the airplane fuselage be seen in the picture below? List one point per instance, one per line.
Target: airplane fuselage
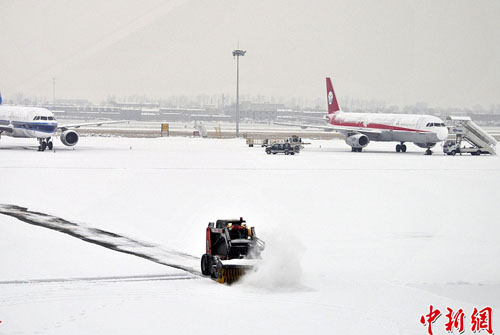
(27, 122)
(393, 127)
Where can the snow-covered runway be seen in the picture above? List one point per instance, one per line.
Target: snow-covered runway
(356, 242)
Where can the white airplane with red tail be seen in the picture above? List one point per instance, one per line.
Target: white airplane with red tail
(361, 128)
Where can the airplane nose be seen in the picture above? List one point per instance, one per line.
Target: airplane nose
(443, 133)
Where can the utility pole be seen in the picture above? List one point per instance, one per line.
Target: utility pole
(237, 54)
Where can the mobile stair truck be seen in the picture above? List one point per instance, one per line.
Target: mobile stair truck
(468, 132)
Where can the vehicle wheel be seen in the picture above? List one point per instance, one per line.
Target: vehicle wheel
(403, 147)
(205, 266)
(274, 153)
(286, 152)
(478, 152)
(250, 145)
(44, 145)
(268, 152)
(50, 145)
(453, 153)
(292, 153)
(398, 147)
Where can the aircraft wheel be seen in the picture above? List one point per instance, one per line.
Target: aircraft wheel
(398, 147)
(353, 149)
(50, 145)
(43, 146)
(428, 152)
(403, 147)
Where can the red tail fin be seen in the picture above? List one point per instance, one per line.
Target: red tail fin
(333, 105)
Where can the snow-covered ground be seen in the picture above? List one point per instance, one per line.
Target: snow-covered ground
(357, 243)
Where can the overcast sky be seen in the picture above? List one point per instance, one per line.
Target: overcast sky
(445, 53)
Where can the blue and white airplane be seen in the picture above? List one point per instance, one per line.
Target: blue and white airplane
(39, 123)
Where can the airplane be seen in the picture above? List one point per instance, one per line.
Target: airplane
(361, 128)
(39, 123)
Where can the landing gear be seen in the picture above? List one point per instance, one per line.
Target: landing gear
(401, 147)
(353, 149)
(428, 152)
(45, 144)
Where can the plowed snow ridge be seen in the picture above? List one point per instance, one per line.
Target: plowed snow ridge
(149, 251)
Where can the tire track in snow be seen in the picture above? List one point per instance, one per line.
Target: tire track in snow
(108, 279)
(169, 257)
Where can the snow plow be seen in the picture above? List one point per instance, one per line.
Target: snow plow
(231, 249)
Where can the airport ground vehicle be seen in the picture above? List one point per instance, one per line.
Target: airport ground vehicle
(285, 148)
(467, 132)
(293, 140)
(231, 249)
(452, 148)
(262, 142)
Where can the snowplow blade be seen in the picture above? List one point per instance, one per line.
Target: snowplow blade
(231, 271)
(230, 274)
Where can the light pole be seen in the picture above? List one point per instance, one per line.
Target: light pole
(237, 54)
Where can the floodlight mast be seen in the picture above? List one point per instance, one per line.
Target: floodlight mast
(237, 54)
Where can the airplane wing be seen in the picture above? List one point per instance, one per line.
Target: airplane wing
(97, 123)
(327, 127)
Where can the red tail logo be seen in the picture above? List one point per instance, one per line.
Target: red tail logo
(333, 105)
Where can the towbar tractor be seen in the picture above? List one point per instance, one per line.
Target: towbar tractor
(232, 248)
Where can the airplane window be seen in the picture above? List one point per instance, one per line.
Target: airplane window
(35, 118)
(428, 125)
(51, 118)
(44, 117)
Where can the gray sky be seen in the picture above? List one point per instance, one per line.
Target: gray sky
(446, 53)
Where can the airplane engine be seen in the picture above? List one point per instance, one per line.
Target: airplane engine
(69, 138)
(357, 141)
(425, 145)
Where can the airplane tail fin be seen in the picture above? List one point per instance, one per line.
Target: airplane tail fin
(333, 105)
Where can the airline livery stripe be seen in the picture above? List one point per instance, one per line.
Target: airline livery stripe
(376, 126)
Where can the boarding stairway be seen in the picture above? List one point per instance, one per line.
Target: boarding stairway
(466, 129)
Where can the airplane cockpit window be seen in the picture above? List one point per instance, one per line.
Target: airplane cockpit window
(51, 118)
(43, 117)
(36, 118)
